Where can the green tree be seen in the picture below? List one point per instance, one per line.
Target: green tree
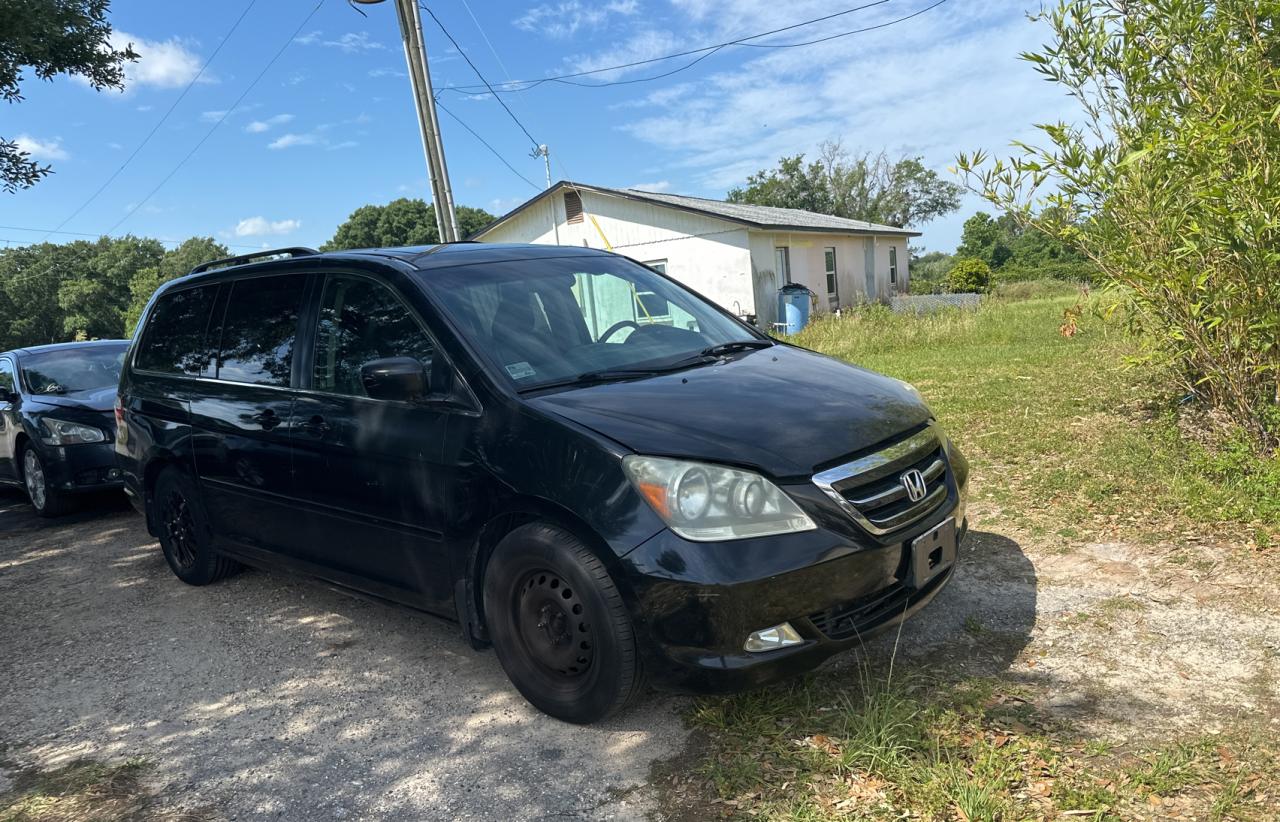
(173, 264)
(986, 239)
(400, 222)
(968, 275)
(867, 187)
(929, 271)
(1166, 181)
(52, 37)
(95, 295)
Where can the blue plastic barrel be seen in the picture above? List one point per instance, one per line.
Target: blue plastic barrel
(794, 301)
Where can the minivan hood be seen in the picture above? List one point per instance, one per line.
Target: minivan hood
(783, 410)
(100, 399)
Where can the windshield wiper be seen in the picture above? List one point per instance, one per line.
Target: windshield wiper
(628, 373)
(737, 345)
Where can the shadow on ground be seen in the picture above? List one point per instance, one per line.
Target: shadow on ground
(271, 696)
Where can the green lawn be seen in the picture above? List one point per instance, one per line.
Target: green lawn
(1065, 436)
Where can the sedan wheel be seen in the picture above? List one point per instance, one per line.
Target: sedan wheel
(48, 502)
(33, 472)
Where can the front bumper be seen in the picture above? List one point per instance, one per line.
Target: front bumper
(77, 468)
(696, 610)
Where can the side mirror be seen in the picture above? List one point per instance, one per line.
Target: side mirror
(394, 378)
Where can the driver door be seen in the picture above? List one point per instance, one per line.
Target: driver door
(370, 471)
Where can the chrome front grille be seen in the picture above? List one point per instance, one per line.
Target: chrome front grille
(893, 487)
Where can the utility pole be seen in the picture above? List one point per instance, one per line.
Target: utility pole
(545, 153)
(415, 55)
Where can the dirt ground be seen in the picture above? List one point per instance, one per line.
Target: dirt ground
(269, 696)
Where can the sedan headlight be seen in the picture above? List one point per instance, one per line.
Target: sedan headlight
(61, 432)
(709, 503)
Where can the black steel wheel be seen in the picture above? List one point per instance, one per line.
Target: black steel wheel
(553, 625)
(184, 534)
(559, 626)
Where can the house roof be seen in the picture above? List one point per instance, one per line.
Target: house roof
(753, 216)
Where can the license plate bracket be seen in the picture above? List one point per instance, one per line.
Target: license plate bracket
(933, 552)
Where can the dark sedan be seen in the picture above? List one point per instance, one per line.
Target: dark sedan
(57, 428)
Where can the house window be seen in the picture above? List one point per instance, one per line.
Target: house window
(782, 263)
(652, 308)
(893, 265)
(572, 207)
(833, 290)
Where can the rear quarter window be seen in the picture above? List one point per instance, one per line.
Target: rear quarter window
(176, 338)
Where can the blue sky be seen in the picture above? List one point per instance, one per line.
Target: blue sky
(331, 125)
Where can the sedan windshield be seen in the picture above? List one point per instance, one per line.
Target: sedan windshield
(566, 319)
(70, 370)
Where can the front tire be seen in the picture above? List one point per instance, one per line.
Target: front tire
(559, 625)
(48, 501)
(184, 532)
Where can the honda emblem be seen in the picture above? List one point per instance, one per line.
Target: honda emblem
(914, 484)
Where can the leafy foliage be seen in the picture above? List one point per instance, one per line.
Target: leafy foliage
(1167, 183)
(1015, 252)
(400, 222)
(87, 289)
(969, 275)
(863, 187)
(52, 37)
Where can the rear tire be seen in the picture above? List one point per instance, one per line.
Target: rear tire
(48, 501)
(559, 625)
(185, 537)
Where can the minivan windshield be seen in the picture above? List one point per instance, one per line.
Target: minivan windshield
(70, 370)
(582, 318)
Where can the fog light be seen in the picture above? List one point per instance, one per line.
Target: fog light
(771, 639)
(114, 473)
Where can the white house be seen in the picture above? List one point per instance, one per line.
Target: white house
(736, 254)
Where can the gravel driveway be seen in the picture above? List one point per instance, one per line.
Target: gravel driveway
(271, 696)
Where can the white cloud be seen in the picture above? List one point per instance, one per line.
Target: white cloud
(656, 187)
(565, 18)
(352, 42)
(260, 226)
(212, 116)
(308, 39)
(342, 145)
(259, 126)
(388, 72)
(115, 146)
(944, 82)
(42, 149)
(162, 64)
(291, 140)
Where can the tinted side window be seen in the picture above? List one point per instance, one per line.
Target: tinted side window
(175, 339)
(7, 381)
(259, 328)
(361, 320)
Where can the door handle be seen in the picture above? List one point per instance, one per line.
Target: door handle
(267, 419)
(317, 426)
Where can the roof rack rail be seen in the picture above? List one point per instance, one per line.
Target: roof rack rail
(293, 251)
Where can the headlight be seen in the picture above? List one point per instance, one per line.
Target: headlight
(709, 503)
(61, 432)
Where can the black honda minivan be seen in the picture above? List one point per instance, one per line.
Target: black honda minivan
(597, 471)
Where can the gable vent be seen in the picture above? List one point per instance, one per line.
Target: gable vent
(573, 207)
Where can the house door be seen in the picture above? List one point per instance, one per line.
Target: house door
(833, 288)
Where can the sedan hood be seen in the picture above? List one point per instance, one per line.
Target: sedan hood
(101, 399)
(782, 410)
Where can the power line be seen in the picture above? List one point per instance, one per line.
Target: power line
(220, 120)
(487, 85)
(525, 85)
(487, 41)
(48, 231)
(844, 33)
(485, 143)
(159, 122)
